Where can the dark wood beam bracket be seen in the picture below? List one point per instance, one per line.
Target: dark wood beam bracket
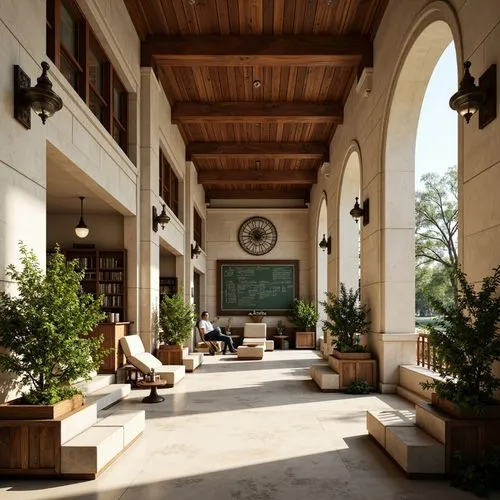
(260, 194)
(257, 112)
(258, 150)
(252, 50)
(224, 177)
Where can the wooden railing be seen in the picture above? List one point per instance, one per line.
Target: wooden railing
(426, 356)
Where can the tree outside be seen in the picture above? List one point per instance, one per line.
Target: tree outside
(436, 231)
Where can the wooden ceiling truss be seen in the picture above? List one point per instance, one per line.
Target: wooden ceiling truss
(257, 88)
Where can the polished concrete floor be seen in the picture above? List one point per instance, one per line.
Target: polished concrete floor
(249, 430)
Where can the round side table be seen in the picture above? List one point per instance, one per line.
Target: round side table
(283, 340)
(153, 397)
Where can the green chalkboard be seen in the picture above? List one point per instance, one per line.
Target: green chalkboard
(261, 285)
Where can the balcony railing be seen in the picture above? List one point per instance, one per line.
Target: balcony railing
(426, 356)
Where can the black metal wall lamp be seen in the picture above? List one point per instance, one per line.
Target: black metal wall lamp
(41, 98)
(326, 244)
(357, 212)
(162, 218)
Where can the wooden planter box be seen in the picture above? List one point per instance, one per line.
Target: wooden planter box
(15, 411)
(305, 340)
(354, 368)
(170, 354)
(488, 412)
(31, 446)
(351, 355)
(470, 438)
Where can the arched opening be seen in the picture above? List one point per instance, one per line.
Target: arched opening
(399, 183)
(349, 230)
(321, 262)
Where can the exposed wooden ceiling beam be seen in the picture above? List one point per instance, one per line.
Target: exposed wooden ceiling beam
(256, 112)
(253, 50)
(258, 150)
(257, 177)
(260, 194)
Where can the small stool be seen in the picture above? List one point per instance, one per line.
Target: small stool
(250, 352)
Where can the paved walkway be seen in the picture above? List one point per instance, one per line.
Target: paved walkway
(249, 430)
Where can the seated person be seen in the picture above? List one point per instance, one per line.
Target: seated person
(208, 332)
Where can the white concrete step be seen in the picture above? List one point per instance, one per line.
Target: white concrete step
(192, 361)
(95, 383)
(410, 395)
(325, 377)
(133, 423)
(78, 421)
(108, 395)
(415, 451)
(87, 454)
(377, 422)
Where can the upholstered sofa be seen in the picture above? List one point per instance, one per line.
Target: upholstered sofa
(144, 361)
(255, 334)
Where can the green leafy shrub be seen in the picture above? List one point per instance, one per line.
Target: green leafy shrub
(303, 314)
(347, 319)
(45, 328)
(466, 343)
(177, 319)
(358, 387)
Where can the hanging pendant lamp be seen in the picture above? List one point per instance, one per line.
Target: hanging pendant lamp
(81, 229)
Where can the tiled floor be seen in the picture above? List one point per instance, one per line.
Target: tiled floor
(249, 430)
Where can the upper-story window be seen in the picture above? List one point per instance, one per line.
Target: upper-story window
(169, 185)
(197, 227)
(72, 46)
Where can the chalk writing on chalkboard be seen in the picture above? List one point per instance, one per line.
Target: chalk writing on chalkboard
(261, 285)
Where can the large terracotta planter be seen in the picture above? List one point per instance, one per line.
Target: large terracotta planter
(13, 410)
(170, 354)
(489, 412)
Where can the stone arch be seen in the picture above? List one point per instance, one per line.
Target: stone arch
(435, 27)
(348, 240)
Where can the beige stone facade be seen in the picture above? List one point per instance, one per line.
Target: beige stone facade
(45, 169)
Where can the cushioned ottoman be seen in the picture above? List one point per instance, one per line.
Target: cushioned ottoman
(250, 352)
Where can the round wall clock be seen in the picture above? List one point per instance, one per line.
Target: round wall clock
(257, 236)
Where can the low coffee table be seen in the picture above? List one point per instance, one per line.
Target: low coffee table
(153, 397)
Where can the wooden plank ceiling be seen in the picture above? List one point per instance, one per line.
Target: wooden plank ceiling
(257, 87)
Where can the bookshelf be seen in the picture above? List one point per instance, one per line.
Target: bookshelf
(105, 274)
(168, 286)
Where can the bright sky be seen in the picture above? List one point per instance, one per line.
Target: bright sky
(437, 135)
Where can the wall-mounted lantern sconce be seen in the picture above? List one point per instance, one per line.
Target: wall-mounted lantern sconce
(41, 98)
(81, 229)
(326, 244)
(472, 98)
(357, 212)
(162, 219)
(195, 250)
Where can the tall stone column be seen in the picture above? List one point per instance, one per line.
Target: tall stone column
(149, 262)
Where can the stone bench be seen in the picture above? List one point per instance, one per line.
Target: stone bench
(377, 422)
(415, 451)
(326, 379)
(90, 452)
(192, 361)
(250, 352)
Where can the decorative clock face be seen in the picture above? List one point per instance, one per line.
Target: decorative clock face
(257, 236)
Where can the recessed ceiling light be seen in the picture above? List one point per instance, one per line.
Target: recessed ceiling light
(256, 84)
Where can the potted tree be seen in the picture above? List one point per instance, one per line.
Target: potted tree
(177, 320)
(44, 329)
(466, 344)
(346, 324)
(304, 316)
